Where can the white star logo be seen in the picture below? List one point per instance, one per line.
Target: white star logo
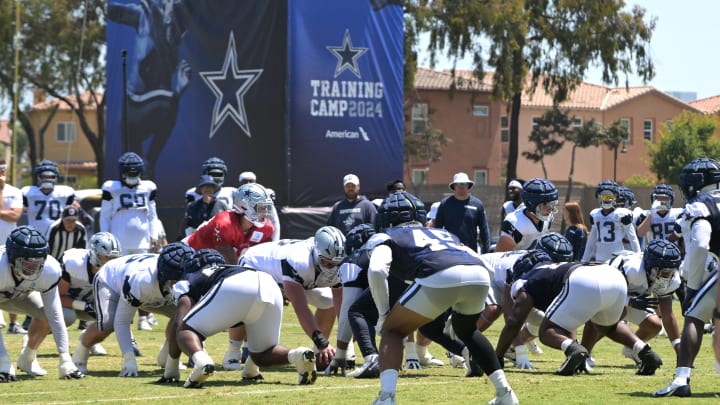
(235, 86)
(347, 56)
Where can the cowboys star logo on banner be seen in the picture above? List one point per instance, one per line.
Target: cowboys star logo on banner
(347, 56)
(229, 85)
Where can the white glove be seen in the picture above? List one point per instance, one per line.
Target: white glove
(7, 370)
(172, 370)
(130, 368)
(67, 370)
(658, 206)
(379, 324)
(522, 361)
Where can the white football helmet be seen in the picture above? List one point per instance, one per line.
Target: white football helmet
(105, 245)
(253, 201)
(329, 250)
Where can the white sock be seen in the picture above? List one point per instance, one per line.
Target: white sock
(201, 357)
(565, 344)
(388, 380)
(638, 346)
(350, 351)
(235, 345)
(682, 375)
(499, 381)
(410, 352)
(422, 351)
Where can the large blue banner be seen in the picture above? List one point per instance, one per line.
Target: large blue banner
(345, 97)
(204, 78)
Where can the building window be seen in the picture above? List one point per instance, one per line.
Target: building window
(577, 122)
(625, 122)
(480, 177)
(481, 110)
(65, 132)
(419, 177)
(535, 122)
(648, 130)
(504, 129)
(419, 118)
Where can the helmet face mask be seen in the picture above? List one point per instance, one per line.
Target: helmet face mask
(131, 168)
(607, 194)
(46, 174)
(701, 176)
(28, 268)
(253, 201)
(661, 261)
(216, 168)
(540, 197)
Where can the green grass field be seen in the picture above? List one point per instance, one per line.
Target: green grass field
(612, 382)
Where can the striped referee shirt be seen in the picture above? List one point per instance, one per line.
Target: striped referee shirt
(60, 240)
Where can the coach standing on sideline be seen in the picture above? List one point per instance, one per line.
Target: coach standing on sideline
(354, 209)
(464, 215)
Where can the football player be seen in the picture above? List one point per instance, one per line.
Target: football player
(28, 285)
(128, 208)
(652, 276)
(123, 285)
(609, 225)
(700, 185)
(217, 169)
(307, 271)
(626, 199)
(572, 294)
(204, 296)
(45, 200)
(444, 274)
(521, 228)
(79, 267)
(659, 221)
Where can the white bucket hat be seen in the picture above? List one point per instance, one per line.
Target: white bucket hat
(461, 178)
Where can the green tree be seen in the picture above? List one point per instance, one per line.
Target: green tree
(61, 52)
(691, 135)
(541, 43)
(548, 136)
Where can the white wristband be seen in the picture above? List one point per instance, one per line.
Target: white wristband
(78, 305)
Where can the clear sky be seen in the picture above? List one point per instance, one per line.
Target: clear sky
(684, 47)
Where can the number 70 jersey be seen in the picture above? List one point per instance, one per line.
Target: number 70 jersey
(44, 209)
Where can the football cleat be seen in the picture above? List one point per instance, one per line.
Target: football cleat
(533, 347)
(28, 363)
(412, 364)
(429, 360)
(473, 370)
(304, 360)
(16, 329)
(574, 363)
(385, 398)
(628, 352)
(203, 369)
(98, 350)
(649, 361)
(143, 324)
(232, 360)
(369, 369)
(674, 389)
(510, 354)
(152, 320)
(251, 371)
(506, 398)
(7, 370)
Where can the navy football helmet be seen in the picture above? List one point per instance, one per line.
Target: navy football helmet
(46, 174)
(526, 263)
(202, 259)
(661, 261)
(171, 264)
(357, 237)
(26, 249)
(607, 194)
(700, 176)
(131, 168)
(556, 246)
(663, 189)
(400, 208)
(626, 197)
(538, 191)
(216, 168)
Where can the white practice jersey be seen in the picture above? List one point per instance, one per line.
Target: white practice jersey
(662, 226)
(77, 271)
(43, 209)
(268, 257)
(631, 265)
(509, 206)
(224, 195)
(129, 213)
(522, 229)
(114, 272)
(607, 233)
(48, 279)
(499, 263)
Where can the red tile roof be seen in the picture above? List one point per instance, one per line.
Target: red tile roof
(85, 97)
(428, 79)
(709, 105)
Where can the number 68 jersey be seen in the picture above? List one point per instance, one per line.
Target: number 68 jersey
(129, 213)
